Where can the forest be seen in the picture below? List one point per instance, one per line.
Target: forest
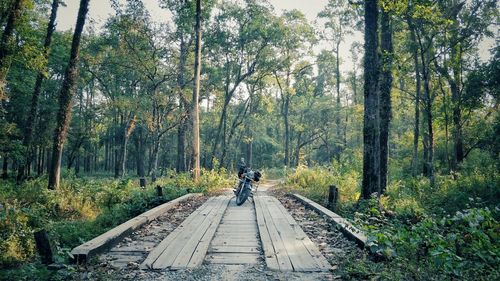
(394, 102)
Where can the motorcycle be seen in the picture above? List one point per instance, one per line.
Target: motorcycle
(245, 185)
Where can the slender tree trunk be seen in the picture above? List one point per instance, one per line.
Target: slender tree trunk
(123, 154)
(196, 95)
(181, 147)
(220, 128)
(286, 112)
(385, 95)
(429, 168)
(6, 48)
(30, 124)
(140, 152)
(338, 148)
(458, 155)
(65, 97)
(42, 161)
(371, 139)
(181, 130)
(446, 125)
(418, 87)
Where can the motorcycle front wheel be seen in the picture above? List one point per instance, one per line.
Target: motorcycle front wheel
(243, 195)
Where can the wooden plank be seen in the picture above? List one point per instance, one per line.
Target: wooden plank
(202, 247)
(234, 222)
(300, 235)
(237, 227)
(267, 245)
(346, 227)
(234, 242)
(234, 249)
(233, 258)
(276, 248)
(174, 248)
(158, 250)
(106, 240)
(297, 252)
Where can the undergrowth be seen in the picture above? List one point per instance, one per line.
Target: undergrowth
(79, 210)
(420, 232)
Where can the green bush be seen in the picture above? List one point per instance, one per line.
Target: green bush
(80, 209)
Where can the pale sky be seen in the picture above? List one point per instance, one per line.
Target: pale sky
(100, 10)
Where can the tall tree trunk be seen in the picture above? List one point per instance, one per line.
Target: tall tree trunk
(286, 112)
(446, 125)
(429, 136)
(140, 152)
(30, 124)
(221, 127)
(385, 94)
(6, 48)
(106, 152)
(65, 97)
(196, 95)
(371, 139)
(338, 148)
(181, 130)
(129, 127)
(181, 147)
(458, 148)
(418, 87)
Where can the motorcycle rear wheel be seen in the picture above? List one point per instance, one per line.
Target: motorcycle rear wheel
(242, 195)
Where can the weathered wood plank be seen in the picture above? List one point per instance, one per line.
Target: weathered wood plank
(234, 242)
(297, 253)
(280, 252)
(267, 245)
(300, 235)
(176, 244)
(106, 240)
(346, 227)
(202, 247)
(232, 258)
(233, 249)
(293, 249)
(309, 257)
(158, 250)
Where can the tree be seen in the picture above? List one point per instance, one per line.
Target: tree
(243, 50)
(65, 97)
(196, 95)
(338, 18)
(295, 34)
(385, 86)
(28, 134)
(371, 121)
(6, 48)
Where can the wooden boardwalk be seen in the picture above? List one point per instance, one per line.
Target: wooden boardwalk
(187, 245)
(286, 246)
(219, 232)
(236, 240)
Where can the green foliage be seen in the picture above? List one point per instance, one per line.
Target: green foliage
(314, 183)
(419, 232)
(81, 209)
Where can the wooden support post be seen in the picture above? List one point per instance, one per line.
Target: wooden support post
(43, 246)
(159, 191)
(333, 196)
(142, 182)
